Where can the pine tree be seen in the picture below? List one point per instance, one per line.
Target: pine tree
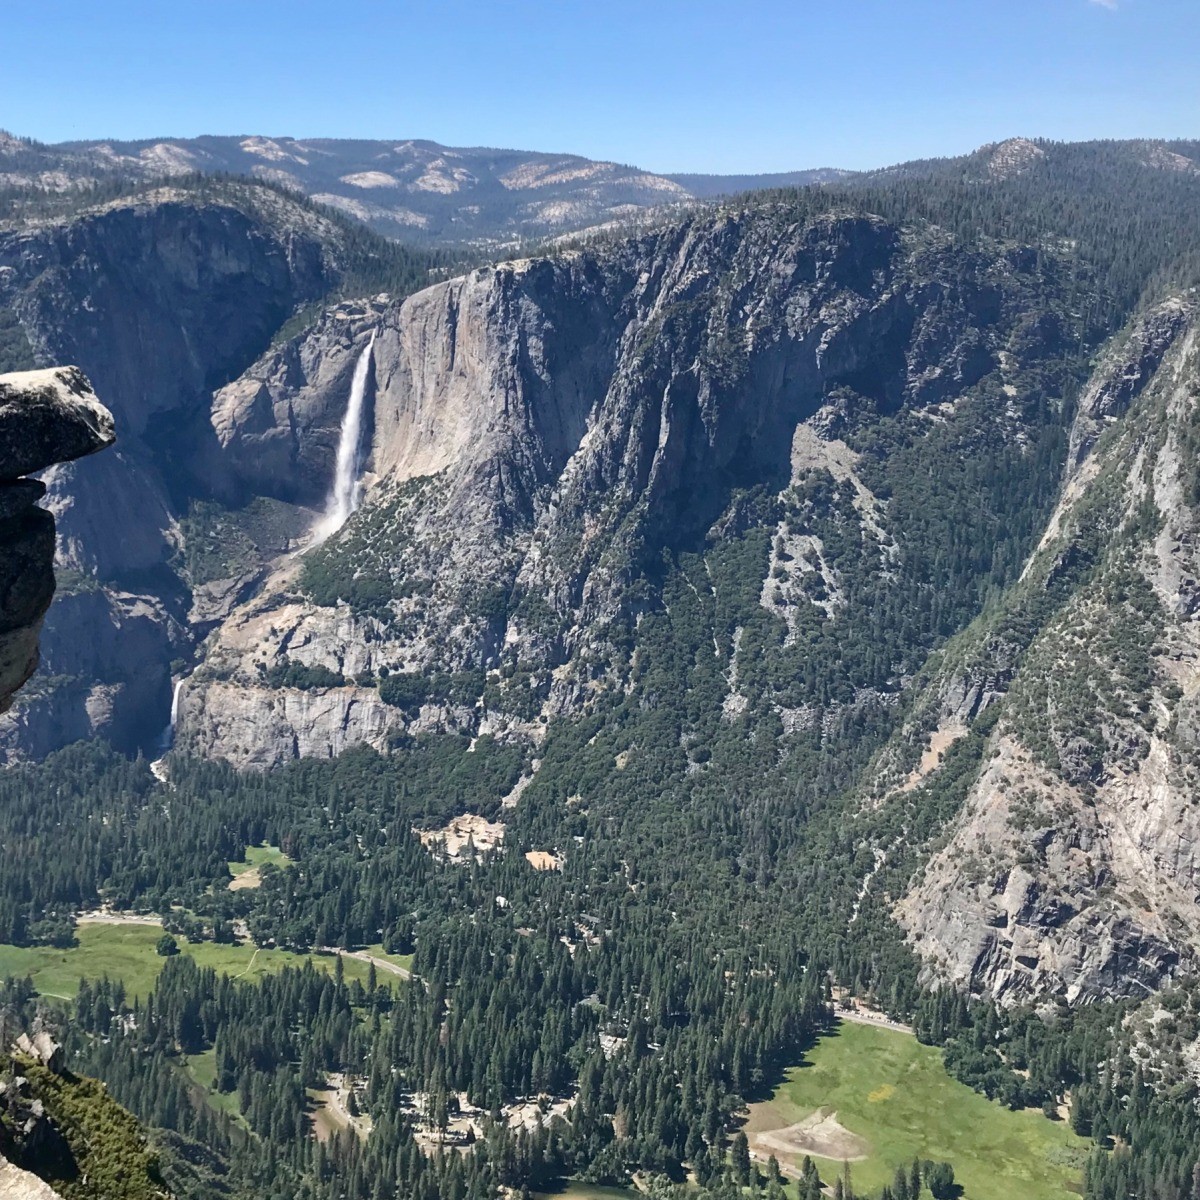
(740, 1158)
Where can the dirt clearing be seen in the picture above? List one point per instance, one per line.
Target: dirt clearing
(820, 1134)
(939, 742)
(331, 1109)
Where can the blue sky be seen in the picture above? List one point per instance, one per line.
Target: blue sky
(749, 85)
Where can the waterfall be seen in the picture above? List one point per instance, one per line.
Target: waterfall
(167, 738)
(346, 493)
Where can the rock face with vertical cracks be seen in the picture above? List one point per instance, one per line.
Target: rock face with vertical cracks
(542, 432)
(1072, 867)
(46, 417)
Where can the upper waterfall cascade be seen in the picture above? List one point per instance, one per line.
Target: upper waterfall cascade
(346, 493)
(166, 739)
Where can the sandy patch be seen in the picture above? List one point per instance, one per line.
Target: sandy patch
(543, 860)
(939, 742)
(454, 841)
(247, 879)
(820, 1135)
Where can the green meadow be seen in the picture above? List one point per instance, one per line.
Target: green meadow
(260, 856)
(127, 952)
(894, 1093)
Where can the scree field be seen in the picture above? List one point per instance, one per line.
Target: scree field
(878, 1097)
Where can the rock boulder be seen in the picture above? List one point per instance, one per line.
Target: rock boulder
(48, 417)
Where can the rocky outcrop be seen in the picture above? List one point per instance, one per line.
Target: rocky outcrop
(1129, 364)
(265, 727)
(17, 1184)
(49, 417)
(45, 417)
(57, 1128)
(1073, 868)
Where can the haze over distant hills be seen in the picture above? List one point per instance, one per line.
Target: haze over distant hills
(411, 189)
(425, 193)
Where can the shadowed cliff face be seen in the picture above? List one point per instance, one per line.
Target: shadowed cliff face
(161, 299)
(45, 417)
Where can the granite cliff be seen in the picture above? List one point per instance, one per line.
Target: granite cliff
(542, 432)
(161, 297)
(1073, 867)
(46, 417)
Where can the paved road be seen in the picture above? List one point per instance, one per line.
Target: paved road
(857, 1016)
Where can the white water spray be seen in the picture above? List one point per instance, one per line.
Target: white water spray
(167, 738)
(347, 491)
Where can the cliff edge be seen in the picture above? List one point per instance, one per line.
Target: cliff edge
(46, 417)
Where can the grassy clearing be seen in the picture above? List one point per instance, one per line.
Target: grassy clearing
(248, 872)
(127, 952)
(202, 1070)
(895, 1093)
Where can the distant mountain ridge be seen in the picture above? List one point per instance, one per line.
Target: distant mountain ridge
(705, 186)
(414, 190)
(423, 192)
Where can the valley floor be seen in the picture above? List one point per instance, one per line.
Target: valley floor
(877, 1097)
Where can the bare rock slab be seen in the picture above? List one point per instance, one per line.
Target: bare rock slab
(49, 416)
